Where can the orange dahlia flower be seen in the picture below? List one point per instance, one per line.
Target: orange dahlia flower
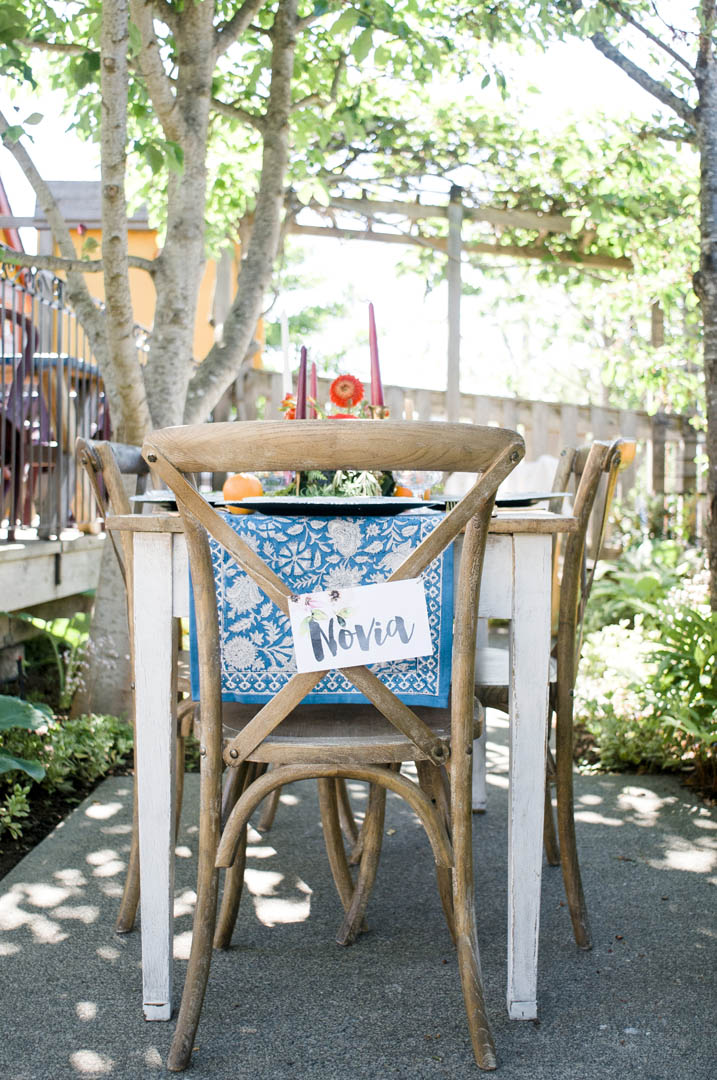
(288, 407)
(346, 390)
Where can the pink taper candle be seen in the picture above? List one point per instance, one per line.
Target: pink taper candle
(313, 391)
(376, 386)
(301, 387)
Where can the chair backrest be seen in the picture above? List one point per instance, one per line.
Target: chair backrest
(105, 464)
(490, 452)
(592, 465)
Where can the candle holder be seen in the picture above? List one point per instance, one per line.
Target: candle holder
(378, 412)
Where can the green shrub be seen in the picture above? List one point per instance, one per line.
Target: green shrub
(640, 581)
(60, 651)
(68, 755)
(686, 681)
(20, 718)
(13, 809)
(647, 694)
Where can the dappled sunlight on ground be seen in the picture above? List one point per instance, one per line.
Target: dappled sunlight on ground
(109, 953)
(270, 907)
(86, 1010)
(153, 1059)
(102, 811)
(106, 862)
(181, 945)
(685, 856)
(90, 1063)
(641, 881)
(591, 817)
(184, 903)
(496, 780)
(260, 851)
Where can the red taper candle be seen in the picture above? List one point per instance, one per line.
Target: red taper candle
(376, 385)
(301, 387)
(313, 391)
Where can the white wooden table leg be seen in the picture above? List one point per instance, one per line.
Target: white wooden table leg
(529, 674)
(155, 763)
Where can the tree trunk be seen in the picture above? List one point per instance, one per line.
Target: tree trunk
(181, 262)
(105, 686)
(122, 373)
(706, 278)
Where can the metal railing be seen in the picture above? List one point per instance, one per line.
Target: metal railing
(50, 392)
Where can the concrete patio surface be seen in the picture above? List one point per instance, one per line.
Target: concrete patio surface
(286, 1001)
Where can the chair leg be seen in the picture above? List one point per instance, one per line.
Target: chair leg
(334, 841)
(200, 960)
(346, 814)
(464, 908)
(271, 805)
(566, 827)
(130, 896)
(479, 793)
(372, 832)
(200, 957)
(431, 781)
(357, 849)
(236, 782)
(179, 783)
(550, 839)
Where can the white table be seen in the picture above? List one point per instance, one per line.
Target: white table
(516, 585)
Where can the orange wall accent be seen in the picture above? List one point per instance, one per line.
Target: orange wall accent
(144, 244)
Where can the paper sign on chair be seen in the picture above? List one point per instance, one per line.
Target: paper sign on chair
(366, 624)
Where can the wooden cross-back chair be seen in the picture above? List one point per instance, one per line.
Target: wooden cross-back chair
(360, 742)
(106, 463)
(593, 469)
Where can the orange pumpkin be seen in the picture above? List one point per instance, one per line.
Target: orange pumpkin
(241, 486)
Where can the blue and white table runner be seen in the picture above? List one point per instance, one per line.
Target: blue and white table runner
(311, 554)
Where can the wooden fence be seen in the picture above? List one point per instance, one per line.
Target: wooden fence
(668, 446)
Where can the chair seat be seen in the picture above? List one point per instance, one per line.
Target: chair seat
(493, 669)
(324, 734)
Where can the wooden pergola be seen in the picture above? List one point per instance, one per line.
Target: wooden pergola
(404, 228)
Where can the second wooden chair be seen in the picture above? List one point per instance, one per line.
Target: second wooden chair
(594, 471)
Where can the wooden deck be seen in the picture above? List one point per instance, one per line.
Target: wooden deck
(36, 572)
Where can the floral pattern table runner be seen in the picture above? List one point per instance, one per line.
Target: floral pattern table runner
(311, 554)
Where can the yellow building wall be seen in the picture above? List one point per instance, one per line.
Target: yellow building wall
(144, 244)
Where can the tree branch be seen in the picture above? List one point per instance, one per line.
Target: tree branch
(235, 112)
(706, 32)
(308, 99)
(159, 84)
(78, 292)
(121, 373)
(60, 265)
(686, 134)
(638, 75)
(167, 14)
(65, 47)
(338, 72)
(619, 10)
(221, 364)
(226, 34)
